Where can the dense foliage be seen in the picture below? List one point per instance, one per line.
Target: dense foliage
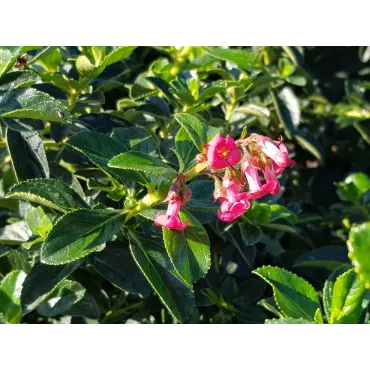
(96, 142)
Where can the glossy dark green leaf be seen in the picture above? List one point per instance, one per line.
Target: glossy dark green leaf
(241, 58)
(15, 233)
(86, 307)
(28, 155)
(66, 294)
(189, 250)
(295, 297)
(17, 260)
(23, 124)
(10, 296)
(48, 192)
(156, 266)
(78, 234)
(347, 297)
(115, 263)
(359, 251)
(41, 281)
(62, 174)
(330, 257)
(17, 79)
(136, 139)
(251, 234)
(27, 102)
(202, 197)
(100, 149)
(143, 163)
(185, 147)
(102, 122)
(287, 108)
(163, 86)
(328, 288)
(199, 132)
(212, 89)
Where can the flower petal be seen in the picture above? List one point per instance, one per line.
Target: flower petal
(218, 140)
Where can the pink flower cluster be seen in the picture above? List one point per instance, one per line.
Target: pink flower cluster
(256, 154)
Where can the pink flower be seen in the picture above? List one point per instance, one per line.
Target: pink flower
(230, 211)
(222, 152)
(256, 189)
(235, 203)
(171, 219)
(170, 222)
(275, 150)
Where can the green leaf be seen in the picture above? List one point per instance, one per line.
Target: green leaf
(295, 297)
(328, 288)
(17, 260)
(189, 250)
(86, 307)
(62, 174)
(136, 139)
(115, 56)
(100, 149)
(61, 81)
(260, 213)
(28, 155)
(142, 162)
(308, 142)
(287, 108)
(16, 233)
(41, 281)
(289, 320)
(278, 211)
(10, 294)
(79, 233)
(330, 257)
(48, 192)
(199, 132)
(359, 251)
(115, 263)
(26, 102)
(62, 298)
(154, 263)
(348, 293)
(202, 197)
(185, 147)
(23, 124)
(241, 58)
(212, 89)
(251, 234)
(118, 54)
(38, 222)
(353, 187)
(8, 59)
(17, 79)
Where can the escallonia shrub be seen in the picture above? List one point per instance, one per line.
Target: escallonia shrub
(130, 191)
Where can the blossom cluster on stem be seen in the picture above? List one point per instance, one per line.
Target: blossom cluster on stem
(234, 165)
